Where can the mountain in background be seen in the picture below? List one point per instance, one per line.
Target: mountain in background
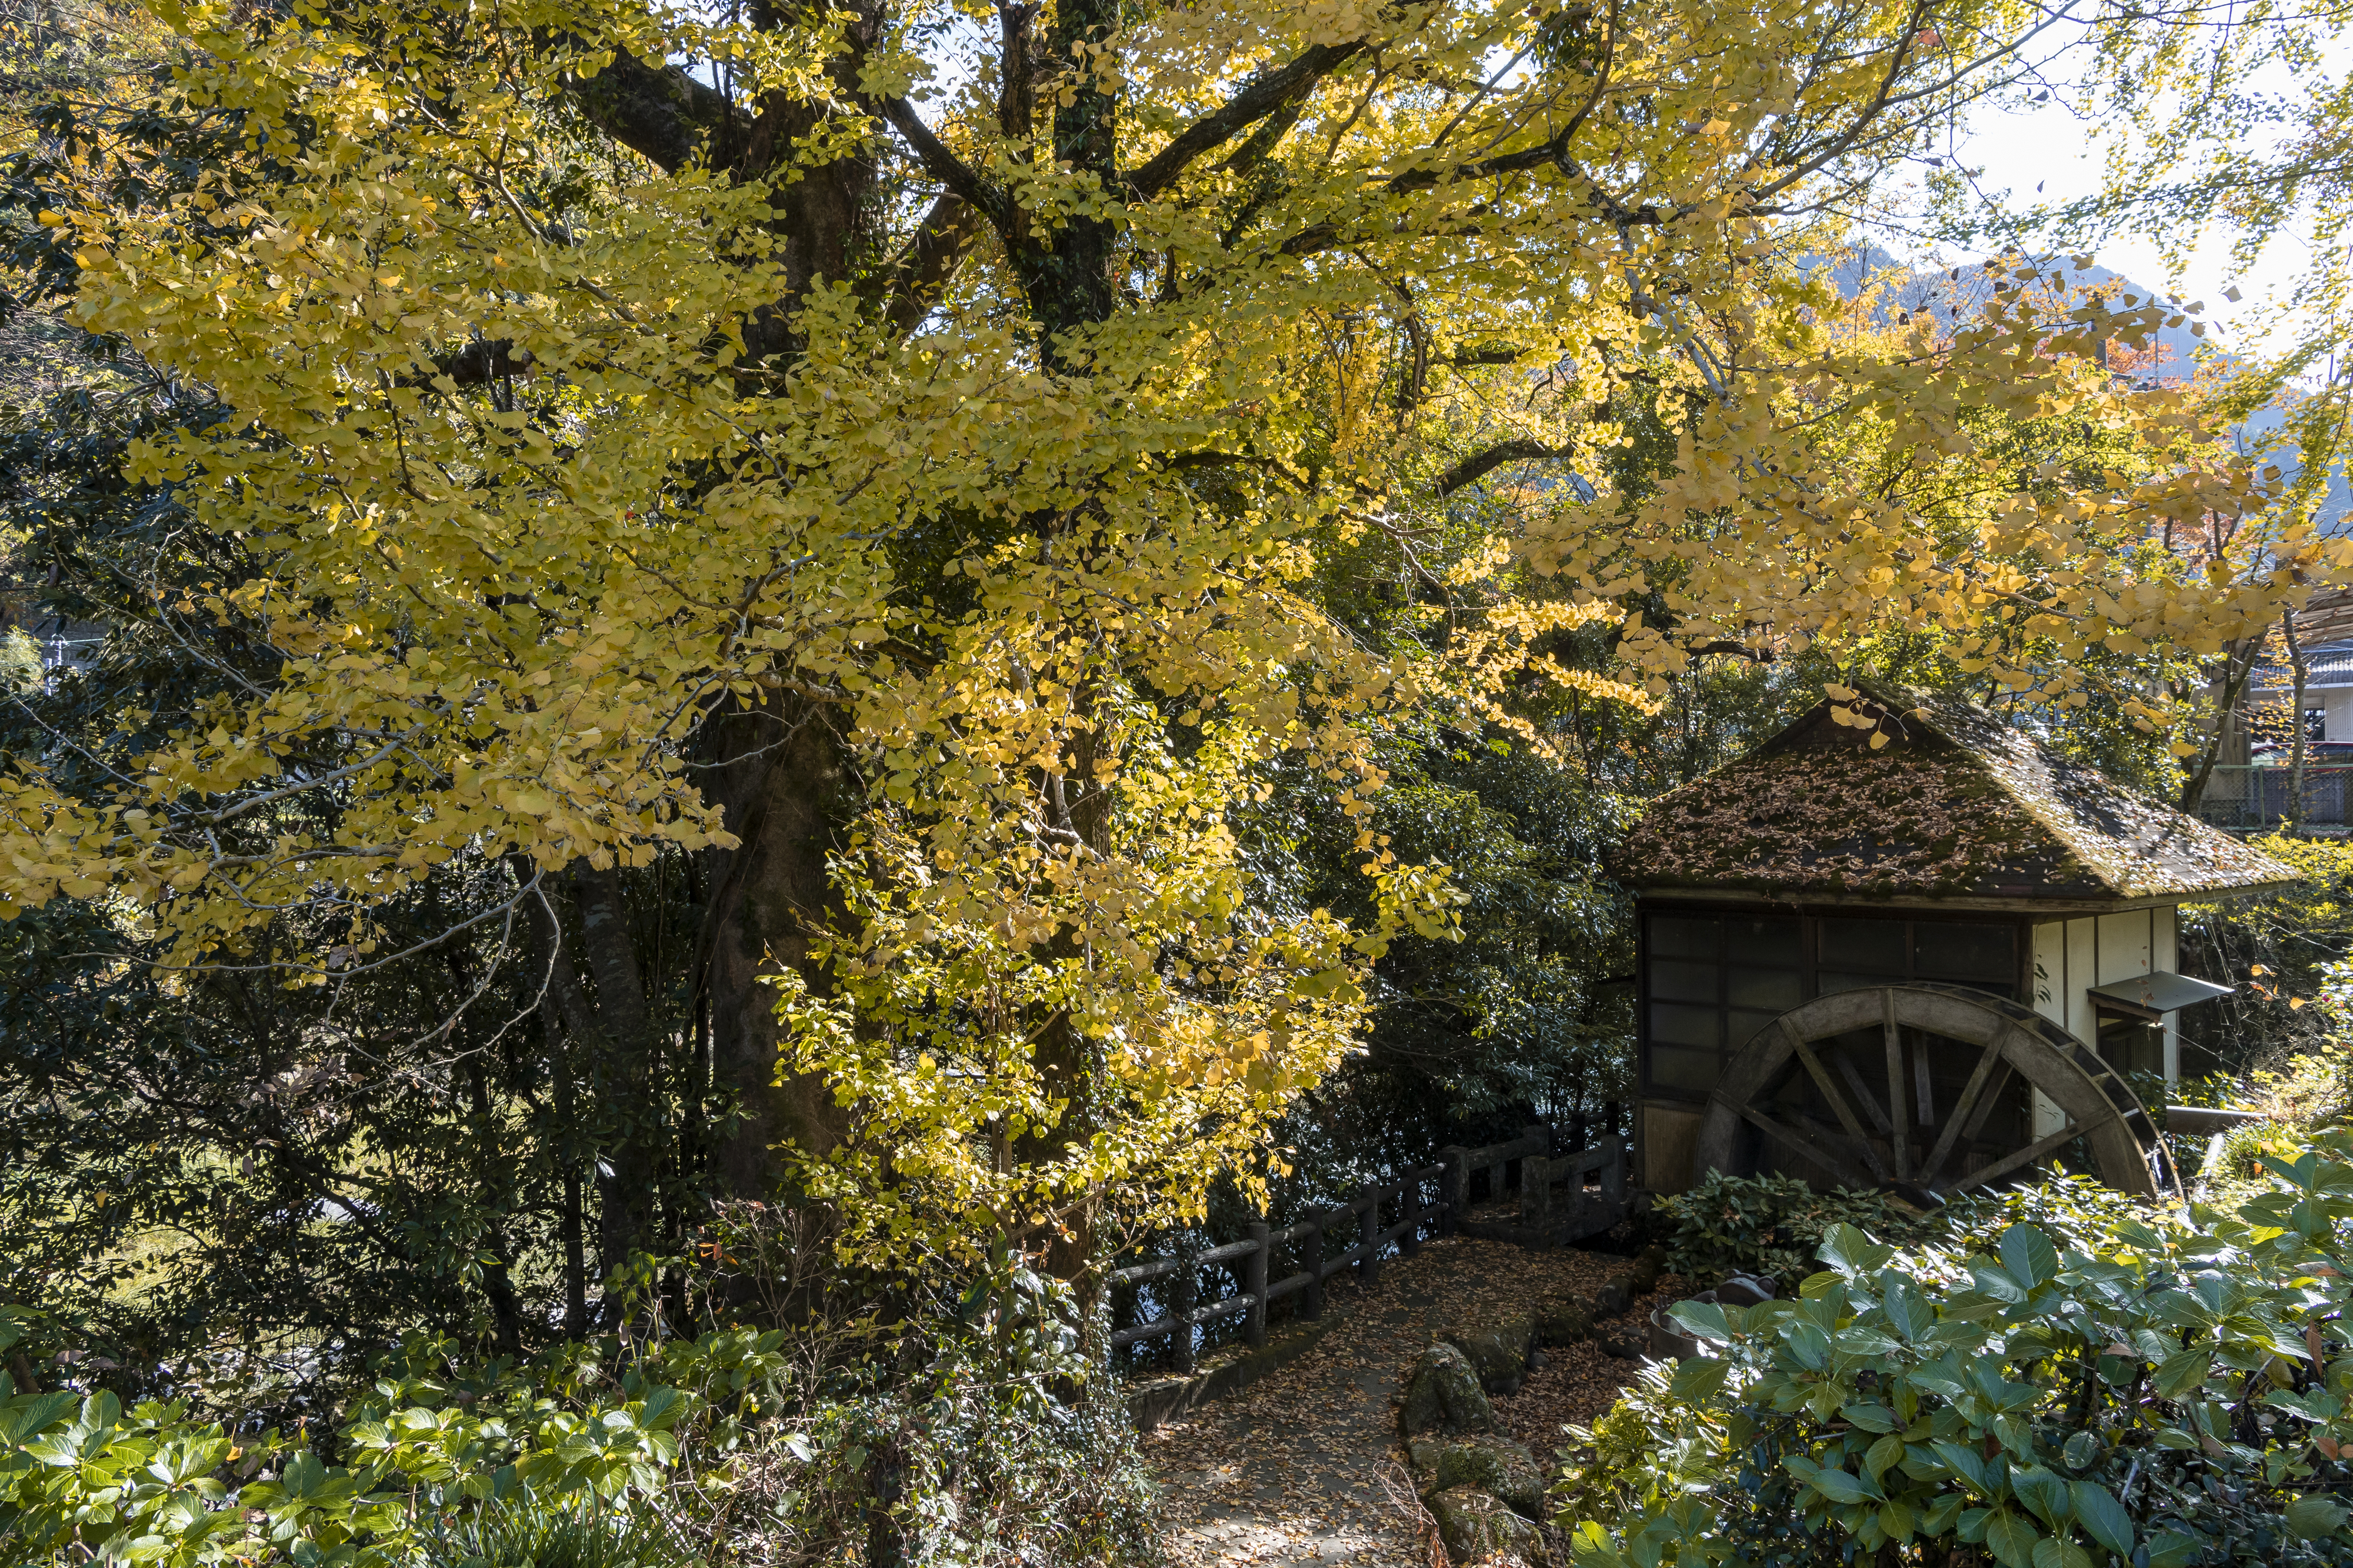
(1952, 293)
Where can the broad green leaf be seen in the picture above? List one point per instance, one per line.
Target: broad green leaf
(1851, 1252)
(2104, 1519)
(2184, 1371)
(1964, 1462)
(1995, 1282)
(2316, 1518)
(2028, 1256)
(1908, 1311)
(1814, 1287)
(1840, 1487)
(2052, 1553)
(1703, 1319)
(2044, 1491)
(1699, 1378)
(1870, 1417)
(2011, 1539)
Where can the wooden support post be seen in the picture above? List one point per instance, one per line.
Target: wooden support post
(1183, 1291)
(1454, 1186)
(1368, 1232)
(1254, 1282)
(1613, 1174)
(1536, 1191)
(1409, 1216)
(1311, 1256)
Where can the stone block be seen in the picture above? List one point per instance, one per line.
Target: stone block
(1649, 1264)
(1565, 1322)
(1501, 1468)
(1476, 1528)
(1443, 1396)
(1498, 1355)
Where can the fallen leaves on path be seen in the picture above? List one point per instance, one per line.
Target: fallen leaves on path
(1292, 1468)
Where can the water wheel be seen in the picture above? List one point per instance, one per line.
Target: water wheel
(1923, 1086)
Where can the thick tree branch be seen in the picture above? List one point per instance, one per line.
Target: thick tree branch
(1478, 465)
(1276, 90)
(941, 162)
(930, 260)
(658, 111)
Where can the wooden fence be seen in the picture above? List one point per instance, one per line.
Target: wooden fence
(1409, 1196)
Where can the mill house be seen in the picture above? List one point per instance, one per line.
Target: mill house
(1903, 945)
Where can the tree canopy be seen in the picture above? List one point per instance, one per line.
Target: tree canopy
(758, 569)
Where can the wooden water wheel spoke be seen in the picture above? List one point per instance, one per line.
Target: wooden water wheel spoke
(2017, 1158)
(1809, 1138)
(1977, 1098)
(1862, 1095)
(1830, 1090)
(1899, 1119)
(2015, 1050)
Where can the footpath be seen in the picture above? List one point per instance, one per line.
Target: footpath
(1305, 1464)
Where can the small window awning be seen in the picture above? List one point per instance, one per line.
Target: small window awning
(2156, 993)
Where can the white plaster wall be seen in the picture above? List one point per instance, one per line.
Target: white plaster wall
(2051, 971)
(2073, 956)
(2336, 705)
(2165, 953)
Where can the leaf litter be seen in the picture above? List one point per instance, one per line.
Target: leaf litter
(1304, 1465)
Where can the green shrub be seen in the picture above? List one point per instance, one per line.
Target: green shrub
(974, 1439)
(2146, 1388)
(1768, 1225)
(520, 1536)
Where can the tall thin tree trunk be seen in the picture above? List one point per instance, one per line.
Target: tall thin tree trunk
(2299, 674)
(2239, 661)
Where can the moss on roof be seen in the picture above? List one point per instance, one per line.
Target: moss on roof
(1956, 803)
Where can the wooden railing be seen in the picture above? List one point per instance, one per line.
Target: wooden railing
(1252, 1258)
(1597, 1188)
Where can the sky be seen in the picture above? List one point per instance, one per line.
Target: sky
(2054, 147)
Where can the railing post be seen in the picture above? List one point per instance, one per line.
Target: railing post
(1368, 1231)
(1311, 1296)
(1182, 1297)
(1613, 1174)
(1454, 1186)
(1254, 1282)
(1535, 1190)
(1409, 1215)
(1578, 1130)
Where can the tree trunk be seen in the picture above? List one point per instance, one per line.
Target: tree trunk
(2300, 673)
(784, 783)
(2239, 660)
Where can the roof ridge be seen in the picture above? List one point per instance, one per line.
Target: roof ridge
(1863, 814)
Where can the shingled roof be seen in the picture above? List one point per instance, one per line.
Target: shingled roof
(1957, 805)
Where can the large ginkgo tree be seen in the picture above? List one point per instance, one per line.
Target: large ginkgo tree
(879, 455)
